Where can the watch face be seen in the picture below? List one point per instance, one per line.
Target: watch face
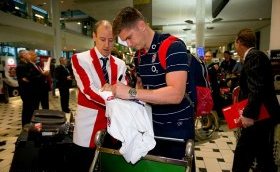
(132, 92)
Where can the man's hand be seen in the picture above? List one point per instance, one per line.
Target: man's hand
(246, 122)
(120, 90)
(106, 87)
(46, 72)
(25, 79)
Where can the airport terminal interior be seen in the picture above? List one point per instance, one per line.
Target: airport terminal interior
(56, 28)
(214, 155)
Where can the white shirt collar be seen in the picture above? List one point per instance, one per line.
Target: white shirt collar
(247, 51)
(99, 55)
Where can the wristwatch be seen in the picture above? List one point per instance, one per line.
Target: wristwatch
(132, 92)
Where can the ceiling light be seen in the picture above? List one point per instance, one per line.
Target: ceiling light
(189, 21)
(39, 16)
(216, 20)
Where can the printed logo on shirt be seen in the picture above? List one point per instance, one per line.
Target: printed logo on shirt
(108, 121)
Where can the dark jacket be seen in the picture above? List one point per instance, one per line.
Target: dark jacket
(227, 66)
(25, 88)
(61, 74)
(213, 78)
(256, 84)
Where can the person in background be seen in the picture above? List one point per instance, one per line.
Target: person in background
(39, 81)
(238, 67)
(93, 69)
(52, 73)
(164, 89)
(228, 63)
(25, 89)
(213, 72)
(64, 81)
(236, 73)
(69, 67)
(256, 85)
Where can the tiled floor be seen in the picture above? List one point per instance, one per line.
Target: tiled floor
(215, 155)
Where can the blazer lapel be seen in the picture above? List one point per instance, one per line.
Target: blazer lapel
(114, 71)
(97, 66)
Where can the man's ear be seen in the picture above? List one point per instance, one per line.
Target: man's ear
(94, 37)
(141, 25)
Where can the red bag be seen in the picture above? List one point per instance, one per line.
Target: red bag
(232, 113)
(204, 103)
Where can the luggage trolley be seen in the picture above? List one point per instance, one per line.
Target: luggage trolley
(108, 159)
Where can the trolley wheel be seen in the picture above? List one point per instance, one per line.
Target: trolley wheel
(206, 125)
(15, 92)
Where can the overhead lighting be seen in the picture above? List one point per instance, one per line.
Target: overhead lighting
(11, 61)
(79, 23)
(216, 20)
(39, 16)
(189, 21)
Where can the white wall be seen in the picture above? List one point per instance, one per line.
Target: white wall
(265, 38)
(275, 23)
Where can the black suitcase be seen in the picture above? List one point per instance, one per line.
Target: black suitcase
(45, 157)
(48, 125)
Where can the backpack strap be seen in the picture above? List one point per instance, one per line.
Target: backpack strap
(162, 52)
(163, 48)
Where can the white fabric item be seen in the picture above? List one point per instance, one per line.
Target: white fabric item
(106, 95)
(131, 123)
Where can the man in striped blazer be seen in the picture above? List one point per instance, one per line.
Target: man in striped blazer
(88, 68)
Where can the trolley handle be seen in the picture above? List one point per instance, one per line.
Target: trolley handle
(98, 140)
(169, 139)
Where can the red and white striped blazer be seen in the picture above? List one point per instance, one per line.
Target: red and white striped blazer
(90, 116)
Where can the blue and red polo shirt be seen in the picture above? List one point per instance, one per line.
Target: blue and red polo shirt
(174, 120)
